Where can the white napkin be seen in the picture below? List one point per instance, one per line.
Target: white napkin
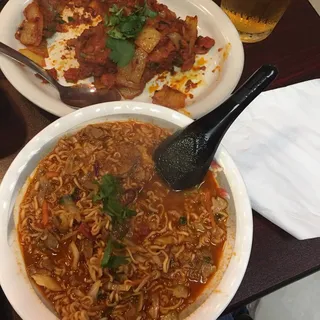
(276, 144)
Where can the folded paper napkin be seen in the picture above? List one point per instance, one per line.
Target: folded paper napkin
(275, 143)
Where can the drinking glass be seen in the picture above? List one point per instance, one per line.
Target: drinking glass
(254, 19)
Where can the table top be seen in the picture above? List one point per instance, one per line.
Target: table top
(277, 258)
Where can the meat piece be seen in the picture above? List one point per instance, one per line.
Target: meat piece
(51, 242)
(180, 291)
(203, 45)
(170, 98)
(53, 73)
(81, 3)
(94, 132)
(72, 42)
(129, 159)
(97, 7)
(162, 52)
(47, 264)
(87, 248)
(72, 75)
(51, 10)
(108, 80)
(207, 270)
(85, 230)
(92, 55)
(85, 70)
(163, 11)
(188, 57)
(190, 35)
(129, 196)
(218, 235)
(30, 31)
(61, 222)
(131, 313)
(91, 46)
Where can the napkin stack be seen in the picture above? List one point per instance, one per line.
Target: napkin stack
(275, 143)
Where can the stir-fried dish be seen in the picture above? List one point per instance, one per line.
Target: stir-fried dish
(105, 238)
(127, 45)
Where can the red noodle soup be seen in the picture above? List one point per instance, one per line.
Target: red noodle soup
(103, 236)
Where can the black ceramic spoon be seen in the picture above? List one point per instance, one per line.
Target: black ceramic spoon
(184, 158)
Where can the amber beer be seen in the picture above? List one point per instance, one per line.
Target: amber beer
(254, 19)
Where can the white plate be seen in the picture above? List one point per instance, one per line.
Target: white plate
(215, 88)
(13, 278)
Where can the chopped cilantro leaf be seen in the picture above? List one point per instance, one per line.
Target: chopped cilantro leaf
(117, 261)
(58, 18)
(148, 12)
(109, 186)
(132, 26)
(50, 29)
(112, 206)
(116, 34)
(106, 255)
(118, 245)
(122, 27)
(114, 9)
(70, 19)
(75, 194)
(108, 193)
(183, 220)
(111, 261)
(122, 51)
(65, 199)
(83, 55)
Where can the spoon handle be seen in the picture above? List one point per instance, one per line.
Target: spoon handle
(217, 122)
(16, 55)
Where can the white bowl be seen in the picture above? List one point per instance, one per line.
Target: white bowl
(216, 86)
(13, 278)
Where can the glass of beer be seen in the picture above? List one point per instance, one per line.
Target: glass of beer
(254, 19)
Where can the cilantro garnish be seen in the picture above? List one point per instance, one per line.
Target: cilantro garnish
(70, 198)
(109, 192)
(122, 51)
(58, 18)
(65, 199)
(111, 261)
(109, 186)
(116, 261)
(122, 29)
(183, 220)
(148, 12)
(107, 254)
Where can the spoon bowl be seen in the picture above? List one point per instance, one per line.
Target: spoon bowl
(77, 96)
(184, 158)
